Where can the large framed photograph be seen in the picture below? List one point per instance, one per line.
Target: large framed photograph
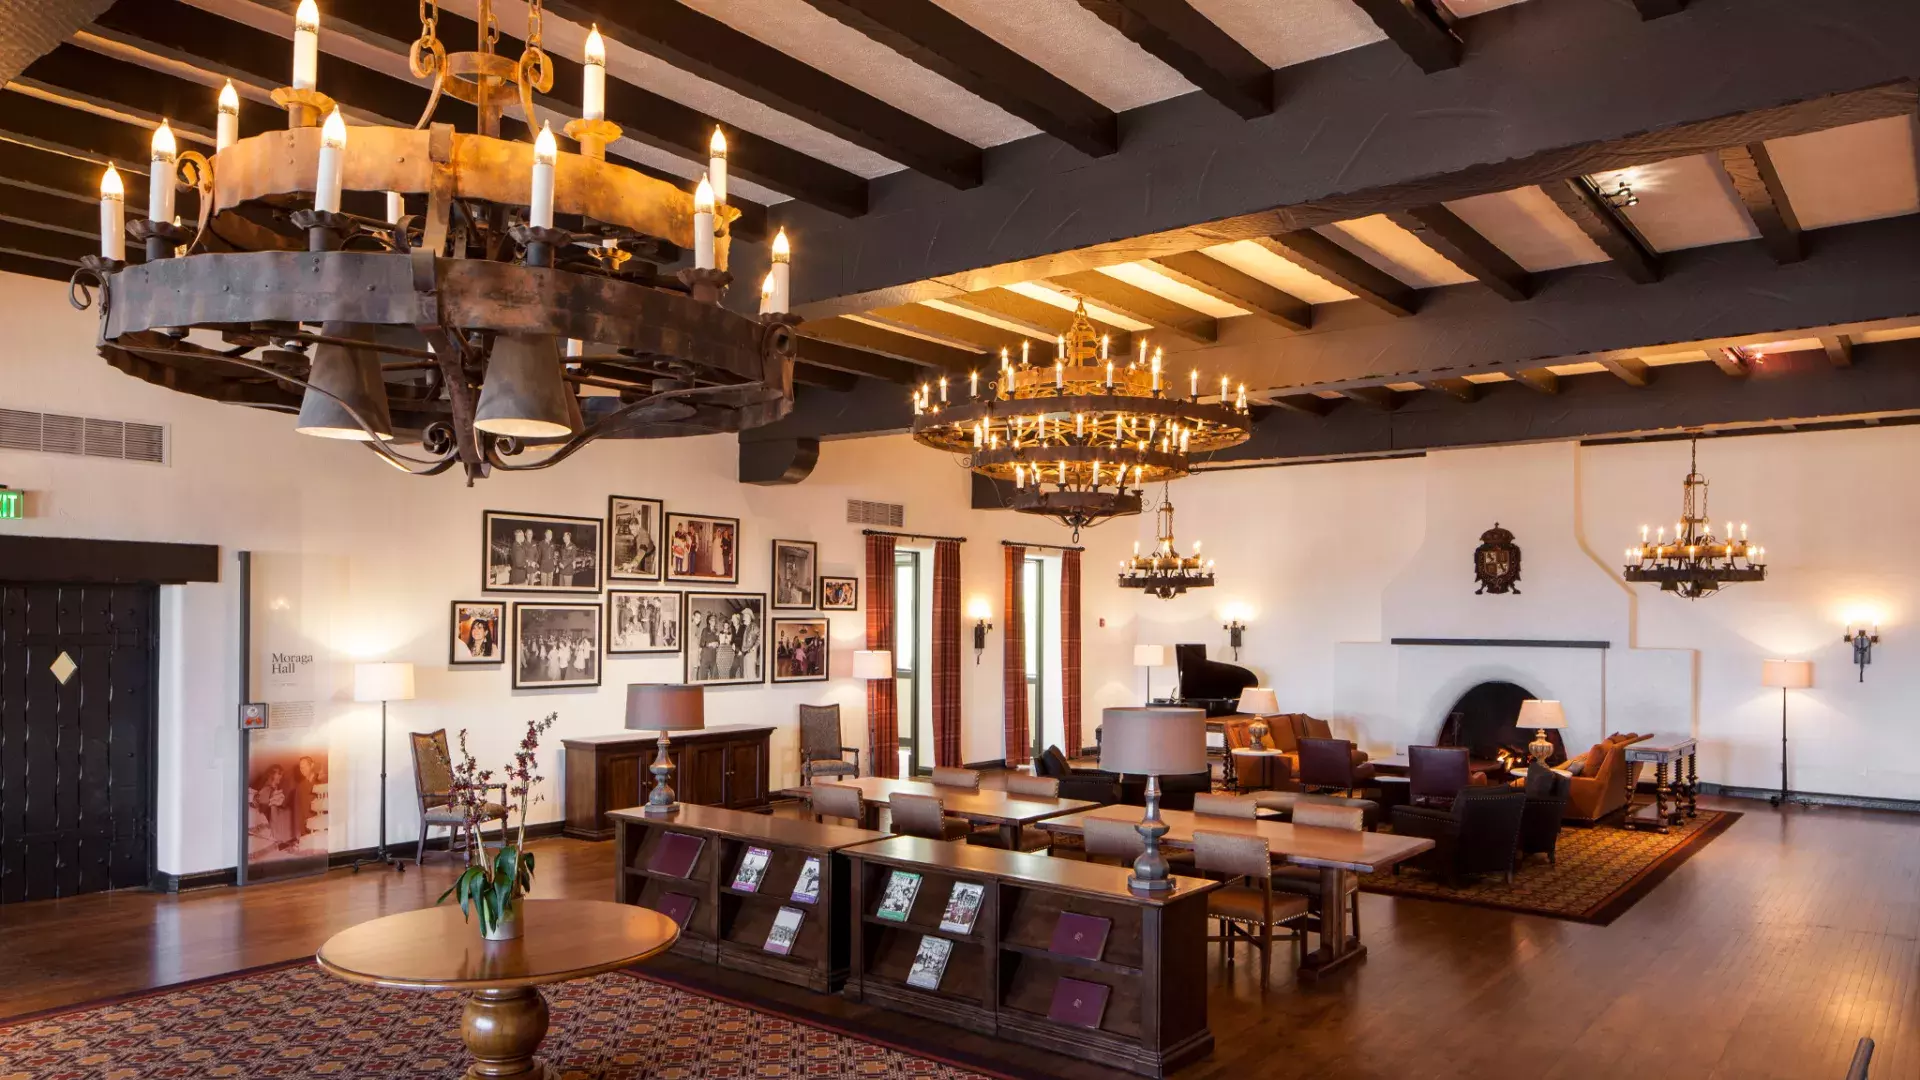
(479, 633)
(703, 549)
(800, 649)
(839, 594)
(535, 553)
(556, 645)
(642, 621)
(794, 578)
(633, 538)
(726, 638)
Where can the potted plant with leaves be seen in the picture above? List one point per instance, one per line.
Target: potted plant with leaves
(496, 879)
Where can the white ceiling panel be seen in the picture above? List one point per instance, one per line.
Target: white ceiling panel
(1684, 203)
(1855, 173)
(1048, 295)
(1076, 46)
(1144, 277)
(1527, 225)
(1395, 250)
(1252, 259)
(1284, 32)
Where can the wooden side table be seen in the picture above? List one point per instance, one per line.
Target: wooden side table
(1664, 753)
(506, 1017)
(1261, 770)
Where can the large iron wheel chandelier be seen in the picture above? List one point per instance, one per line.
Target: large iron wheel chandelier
(444, 328)
(1695, 563)
(1165, 573)
(1081, 437)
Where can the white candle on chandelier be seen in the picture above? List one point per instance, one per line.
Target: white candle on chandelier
(973, 384)
(160, 177)
(545, 152)
(943, 389)
(782, 272)
(226, 129)
(1184, 432)
(1025, 346)
(1060, 347)
(306, 46)
(396, 207)
(1105, 341)
(1157, 353)
(717, 165)
(1143, 353)
(1080, 425)
(1193, 384)
(333, 159)
(1063, 473)
(593, 77)
(766, 293)
(113, 216)
(1223, 389)
(1059, 375)
(1743, 532)
(1242, 403)
(1136, 476)
(703, 228)
(1096, 473)
(1020, 476)
(1109, 374)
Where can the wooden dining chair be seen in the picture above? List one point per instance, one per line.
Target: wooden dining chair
(1111, 840)
(1246, 908)
(920, 815)
(837, 800)
(959, 779)
(1305, 880)
(433, 789)
(1033, 787)
(1233, 806)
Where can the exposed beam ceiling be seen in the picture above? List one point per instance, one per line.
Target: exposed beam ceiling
(1628, 370)
(1163, 315)
(83, 75)
(949, 328)
(1037, 318)
(1458, 389)
(1376, 397)
(1731, 361)
(1607, 227)
(838, 357)
(1418, 29)
(1442, 230)
(1191, 44)
(46, 244)
(1541, 379)
(1839, 349)
(55, 127)
(1223, 282)
(43, 170)
(1304, 404)
(942, 359)
(1329, 260)
(825, 378)
(1758, 185)
(48, 211)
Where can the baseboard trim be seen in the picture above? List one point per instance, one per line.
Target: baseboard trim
(1855, 802)
(164, 882)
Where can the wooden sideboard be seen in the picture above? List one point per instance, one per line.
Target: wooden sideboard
(725, 765)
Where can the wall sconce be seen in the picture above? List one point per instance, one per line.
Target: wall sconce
(1236, 635)
(1863, 640)
(979, 611)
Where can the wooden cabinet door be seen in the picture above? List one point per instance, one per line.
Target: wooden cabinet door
(746, 773)
(703, 775)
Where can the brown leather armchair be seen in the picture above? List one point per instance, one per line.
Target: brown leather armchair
(1093, 785)
(1606, 781)
(1547, 793)
(1479, 834)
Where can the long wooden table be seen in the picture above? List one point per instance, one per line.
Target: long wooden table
(989, 807)
(1334, 852)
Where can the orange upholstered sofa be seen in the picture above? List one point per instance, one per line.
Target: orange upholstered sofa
(1605, 782)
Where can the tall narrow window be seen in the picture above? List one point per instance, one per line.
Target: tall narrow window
(907, 663)
(1034, 590)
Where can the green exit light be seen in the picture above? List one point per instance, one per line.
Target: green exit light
(13, 504)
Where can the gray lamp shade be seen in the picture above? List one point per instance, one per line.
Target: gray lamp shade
(1157, 742)
(1538, 714)
(342, 379)
(523, 394)
(666, 707)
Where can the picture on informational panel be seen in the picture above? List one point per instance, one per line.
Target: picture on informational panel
(288, 820)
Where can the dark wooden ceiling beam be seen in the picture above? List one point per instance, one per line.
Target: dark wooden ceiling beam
(30, 167)
(46, 243)
(948, 46)
(1324, 258)
(1460, 244)
(110, 82)
(837, 357)
(1419, 29)
(704, 46)
(1731, 361)
(1458, 389)
(1224, 283)
(51, 126)
(1193, 45)
(1305, 404)
(1654, 9)
(825, 378)
(1543, 380)
(1165, 316)
(1037, 318)
(1757, 183)
(1374, 397)
(934, 358)
(1607, 227)
(48, 211)
(1627, 369)
(1839, 349)
(26, 265)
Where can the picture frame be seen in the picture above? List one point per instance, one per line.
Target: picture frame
(702, 549)
(477, 634)
(799, 649)
(643, 621)
(839, 593)
(794, 578)
(724, 639)
(636, 537)
(539, 553)
(556, 645)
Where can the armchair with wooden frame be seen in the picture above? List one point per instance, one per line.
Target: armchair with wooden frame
(820, 751)
(433, 787)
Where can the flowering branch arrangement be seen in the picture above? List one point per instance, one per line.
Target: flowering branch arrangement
(494, 880)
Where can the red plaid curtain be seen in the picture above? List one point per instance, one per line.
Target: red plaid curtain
(883, 706)
(1019, 739)
(946, 653)
(1070, 649)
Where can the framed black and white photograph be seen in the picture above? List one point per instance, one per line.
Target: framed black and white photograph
(703, 549)
(642, 621)
(556, 645)
(800, 649)
(726, 637)
(479, 633)
(634, 538)
(794, 577)
(540, 553)
(839, 594)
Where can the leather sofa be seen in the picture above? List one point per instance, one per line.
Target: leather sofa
(1605, 782)
(1106, 788)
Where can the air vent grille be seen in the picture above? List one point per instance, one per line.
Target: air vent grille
(889, 515)
(57, 433)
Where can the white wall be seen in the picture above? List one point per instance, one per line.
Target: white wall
(244, 481)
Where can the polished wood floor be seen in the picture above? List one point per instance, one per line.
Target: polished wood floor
(1766, 955)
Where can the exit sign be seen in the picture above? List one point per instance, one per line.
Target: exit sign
(13, 504)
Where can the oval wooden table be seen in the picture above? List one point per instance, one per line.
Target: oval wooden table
(506, 1016)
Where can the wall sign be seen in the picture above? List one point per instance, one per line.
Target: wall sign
(13, 504)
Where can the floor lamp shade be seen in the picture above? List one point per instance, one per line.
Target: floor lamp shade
(1786, 674)
(383, 682)
(1152, 656)
(873, 664)
(1153, 742)
(666, 707)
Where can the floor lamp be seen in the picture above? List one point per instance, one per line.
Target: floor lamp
(1150, 657)
(382, 683)
(1787, 675)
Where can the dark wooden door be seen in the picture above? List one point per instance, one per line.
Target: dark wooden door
(746, 773)
(77, 717)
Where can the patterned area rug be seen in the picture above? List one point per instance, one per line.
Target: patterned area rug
(1602, 871)
(295, 1021)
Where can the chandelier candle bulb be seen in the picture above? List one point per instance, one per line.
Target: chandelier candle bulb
(1059, 347)
(160, 177)
(306, 46)
(973, 384)
(1193, 385)
(1105, 341)
(113, 216)
(703, 228)
(1059, 375)
(333, 153)
(1025, 346)
(396, 207)
(1223, 389)
(227, 123)
(782, 272)
(943, 389)
(1109, 374)
(766, 292)
(717, 165)
(545, 152)
(593, 77)
(1156, 370)
(1080, 425)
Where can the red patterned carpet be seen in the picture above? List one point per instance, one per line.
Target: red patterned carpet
(295, 1021)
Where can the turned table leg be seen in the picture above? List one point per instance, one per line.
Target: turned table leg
(502, 1030)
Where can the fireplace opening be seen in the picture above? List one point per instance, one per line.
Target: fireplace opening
(1483, 722)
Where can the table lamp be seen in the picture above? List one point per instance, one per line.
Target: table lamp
(1150, 657)
(1541, 715)
(383, 682)
(1787, 675)
(664, 707)
(1153, 742)
(1259, 702)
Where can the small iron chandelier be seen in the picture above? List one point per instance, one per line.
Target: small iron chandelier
(1695, 563)
(1166, 573)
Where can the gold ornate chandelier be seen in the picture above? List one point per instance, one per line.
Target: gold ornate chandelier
(1081, 437)
(1165, 573)
(1695, 563)
(525, 307)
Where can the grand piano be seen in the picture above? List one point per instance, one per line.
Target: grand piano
(1212, 685)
